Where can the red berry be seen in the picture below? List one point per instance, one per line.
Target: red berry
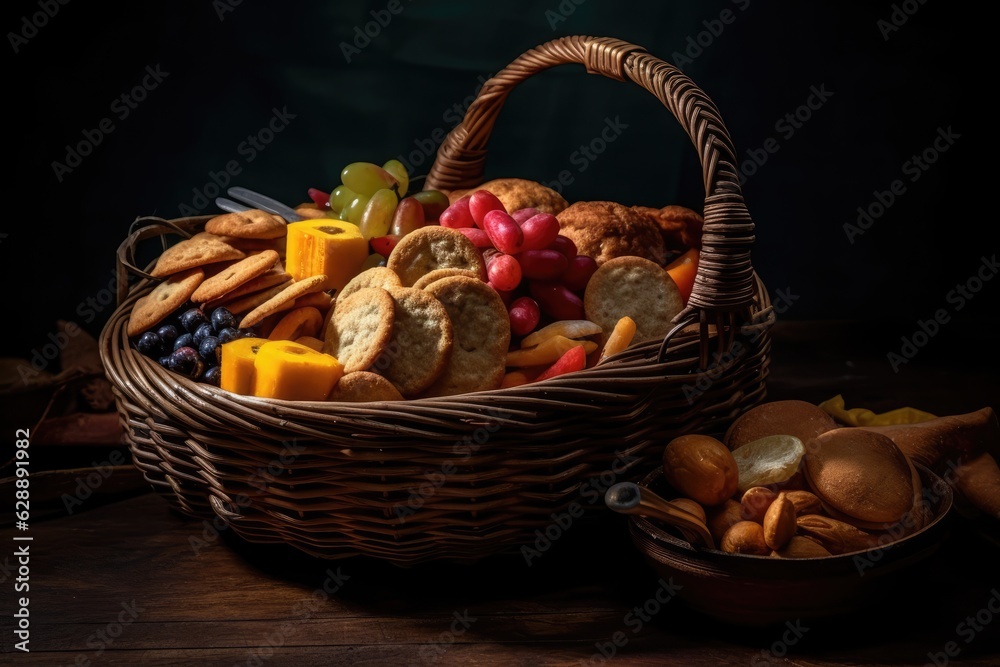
(557, 301)
(320, 198)
(503, 231)
(457, 216)
(578, 274)
(482, 202)
(523, 214)
(479, 238)
(383, 245)
(524, 316)
(540, 231)
(504, 273)
(565, 245)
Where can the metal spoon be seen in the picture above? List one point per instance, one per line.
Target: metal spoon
(629, 498)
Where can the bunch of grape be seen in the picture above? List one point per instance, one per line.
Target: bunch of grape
(533, 267)
(374, 198)
(191, 345)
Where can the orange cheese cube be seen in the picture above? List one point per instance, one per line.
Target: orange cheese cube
(237, 365)
(294, 372)
(333, 248)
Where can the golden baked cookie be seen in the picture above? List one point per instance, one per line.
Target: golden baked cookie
(363, 386)
(680, 226)
(165, 298)
(433, 247)
(283, 300)
(518, 193)
(360, 329)
(252, 224)
(633, 287)
(199, 250)
(234, 276)
(481, 330)
(421, 341)
(605, 230)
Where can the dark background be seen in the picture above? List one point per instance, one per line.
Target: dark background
(229, 69)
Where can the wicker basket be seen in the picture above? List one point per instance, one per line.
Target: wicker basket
(461, 477)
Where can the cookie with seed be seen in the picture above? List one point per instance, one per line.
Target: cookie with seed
(481, 330)
(633, 287)
(165, 298)
(252, 224)
(421, 343)
(360, 328)
(235, 275)
(433, 247)
(437, 274)
(199, 250)
(363, 386)
(377, 276)
(283, 300)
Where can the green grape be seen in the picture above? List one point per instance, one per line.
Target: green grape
(366, 178)
(398, 171)
(377, 216)
(341, 197)
(434, 203)
(353, 211)
(408, 217)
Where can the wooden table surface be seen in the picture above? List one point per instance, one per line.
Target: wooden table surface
(132, 583)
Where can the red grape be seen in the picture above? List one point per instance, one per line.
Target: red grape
(433, 201)
(524, 316)
(503, 231)
(505, 296)
(482, 202)
(409, 216)
(457, 216)
(565, 245)
(557, 301)
(540, 231)
(504, 273)
(320, 198)
(542, 264)
(578, 274)
(523, 214)
(479, 238)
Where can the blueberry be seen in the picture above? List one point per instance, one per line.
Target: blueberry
(165, 361)
(184, 340)
(186, 362)
(223, 319)
(213, 375)
(210, 350)
(192, 319)
(203, 332)
(150, 344)
(228, 334)
(168, 334)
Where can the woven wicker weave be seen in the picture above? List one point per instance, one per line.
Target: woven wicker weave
(460, 477)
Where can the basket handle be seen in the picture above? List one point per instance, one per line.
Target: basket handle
(141, 229)
(725, 280)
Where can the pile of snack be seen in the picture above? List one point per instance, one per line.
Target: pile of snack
(376, 295)
(789, 481)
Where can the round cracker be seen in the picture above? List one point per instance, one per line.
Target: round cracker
(421, 341)
(362, 387)
(377, 276)
(481, 329)
(361, 328)
(633, 287)
(437, 274)
(238, 274)
(432, 247)
(165, 298)
(251, 224)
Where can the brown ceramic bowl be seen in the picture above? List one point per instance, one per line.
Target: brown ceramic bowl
(759, 590)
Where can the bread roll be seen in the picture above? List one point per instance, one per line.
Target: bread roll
(803, 420)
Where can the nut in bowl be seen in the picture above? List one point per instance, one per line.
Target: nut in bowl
(822, 567)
